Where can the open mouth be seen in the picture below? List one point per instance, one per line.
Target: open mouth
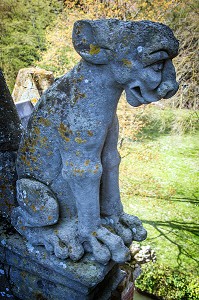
(136, 91)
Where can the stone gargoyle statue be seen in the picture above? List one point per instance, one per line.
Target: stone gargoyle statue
(67, 187)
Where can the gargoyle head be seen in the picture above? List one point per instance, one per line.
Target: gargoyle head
(139, 55)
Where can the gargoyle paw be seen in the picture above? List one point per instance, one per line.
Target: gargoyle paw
(128, 227)
(106, 245)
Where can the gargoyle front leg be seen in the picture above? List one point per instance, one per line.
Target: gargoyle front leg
(84, 179)
(128, 227)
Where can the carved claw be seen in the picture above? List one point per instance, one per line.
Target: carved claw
(134, 223)
(128, 227)
(62, 246)
(60, 239)
(105, 246)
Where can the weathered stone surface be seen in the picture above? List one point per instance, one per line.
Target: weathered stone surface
(10, 134)
(5, 292)
(68, 163)
(34, 273)
(8, 177)
(31, 83)
(10, 131)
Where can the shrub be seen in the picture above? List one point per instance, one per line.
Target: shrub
(167, 283)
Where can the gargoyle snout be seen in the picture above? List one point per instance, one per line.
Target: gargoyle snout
(167, 89)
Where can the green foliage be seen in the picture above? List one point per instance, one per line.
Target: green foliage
(152, 121)
(159, 184)
(160, 120)
(124, 9)
(168, 283)
(185, 23)
(22, 26)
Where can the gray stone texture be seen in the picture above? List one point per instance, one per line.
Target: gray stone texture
(10, 131)
(35, 274)
(10, 134)
(68, 163)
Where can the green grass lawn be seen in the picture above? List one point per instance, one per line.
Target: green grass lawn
(159, 183)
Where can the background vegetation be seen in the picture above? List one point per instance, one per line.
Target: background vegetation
(158, 143)
(22, 32)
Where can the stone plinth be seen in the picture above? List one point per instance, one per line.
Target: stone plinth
(35, 274)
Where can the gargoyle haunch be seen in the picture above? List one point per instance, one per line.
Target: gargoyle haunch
(67, 188)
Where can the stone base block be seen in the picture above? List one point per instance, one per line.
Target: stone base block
(37, 275)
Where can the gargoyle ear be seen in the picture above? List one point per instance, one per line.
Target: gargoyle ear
(85, 43)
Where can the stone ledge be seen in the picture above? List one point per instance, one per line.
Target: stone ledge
(34, 273)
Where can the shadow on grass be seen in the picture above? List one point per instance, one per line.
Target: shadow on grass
(194, 201)
(179, 229)
(187, 200)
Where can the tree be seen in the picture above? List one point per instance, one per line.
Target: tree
(22, 26)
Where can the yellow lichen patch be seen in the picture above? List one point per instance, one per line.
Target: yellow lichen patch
(90, 133)
(37, 130)
(96, 169)
(42, 207)
(78, 95)
(34, 101)
(44, 121)
(87, 162)
(78, 171)
(50, 218)
(77, 153)
(34, 158)
(94, 233)
(77, 79)
(27, 162)
(94, 49)
(43, 140)
(127, 62)
(33, 207)
(64, 132)
(79, 140)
